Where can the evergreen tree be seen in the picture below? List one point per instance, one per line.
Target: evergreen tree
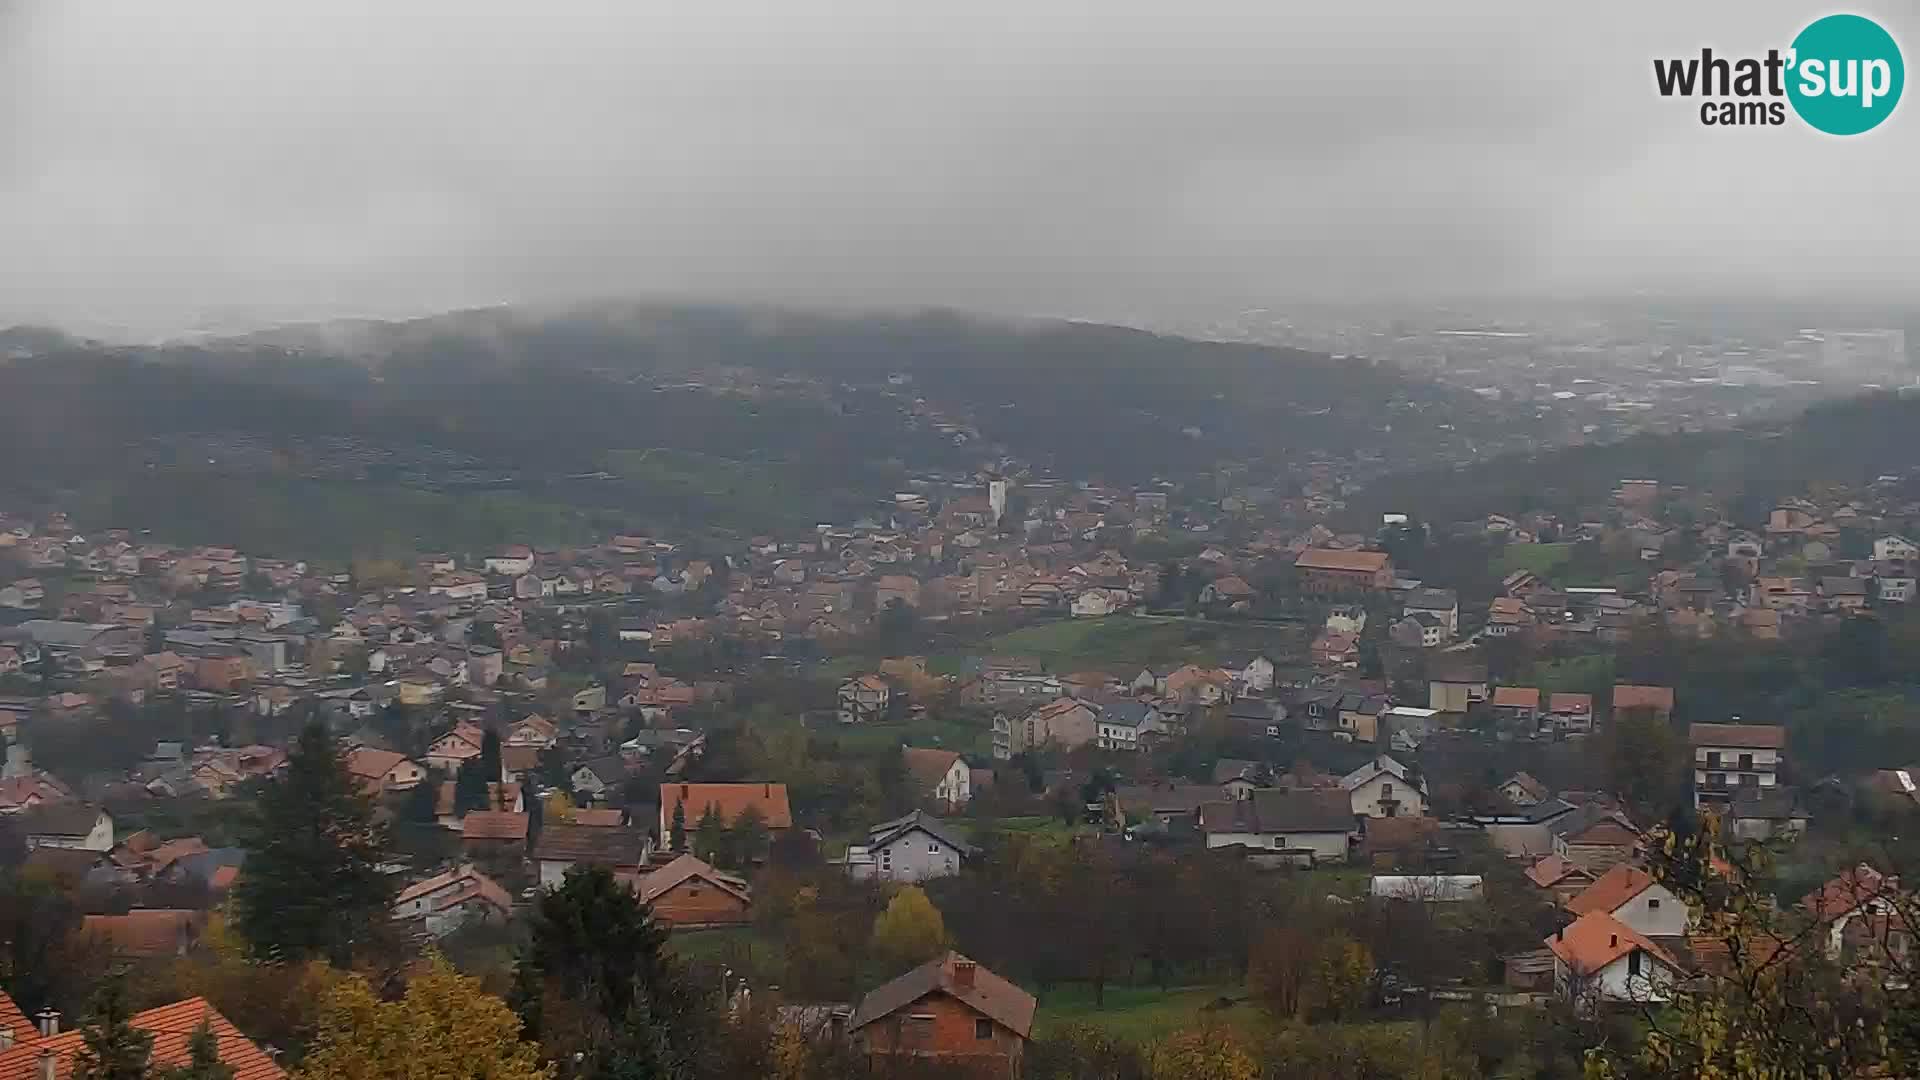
(490, 755)
(313, 886)
(203, 1058)
(114, 1049)
(597, 980)
(710, 836)
(677, 834)
(470, 787)
(749, 836)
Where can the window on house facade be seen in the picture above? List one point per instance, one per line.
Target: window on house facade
(1633, 962)
(983, 1029)
(1386, 791)
(1653, 903)
(1713, 759)
(1746, 761)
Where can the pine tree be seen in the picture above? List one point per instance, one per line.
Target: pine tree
(470, 787)
(114, 1049)
(596, 979)
(490, 756)
(203, 1058)
(749, 835)
(710, 836)
(678, 832)
(313, 886)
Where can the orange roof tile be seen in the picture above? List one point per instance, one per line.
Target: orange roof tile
(1613, 888)
(731, 799)
(14, 1020)
(493, 825)
(1331, 559)
(1626, 696)
(1597, 939)
(171, 1026)
(1517, 697)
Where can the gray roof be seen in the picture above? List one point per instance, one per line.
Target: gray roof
(1778, 803)
(60, 819)
(1281, 811)
(63, 634)
(1431, 599)
(888, 831)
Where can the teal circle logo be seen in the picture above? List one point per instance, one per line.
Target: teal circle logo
(1846, 74)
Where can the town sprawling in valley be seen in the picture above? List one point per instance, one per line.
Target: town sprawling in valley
(1381, 752)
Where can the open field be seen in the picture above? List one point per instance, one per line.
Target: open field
(1120, 642)
(1145, 1013)
(1542, 559)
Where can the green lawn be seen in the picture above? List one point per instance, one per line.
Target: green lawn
(1542, 559)
(1119, 642)
(1145, 1013)
(929, 731)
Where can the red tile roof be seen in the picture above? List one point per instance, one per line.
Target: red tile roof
(1626, 696)
(732, 800)
(1743, 736)
(147, 932)
(14, 1020)
(1517, 697)
(1597, 939)
(1613, 888)
(171, 1026)
(1331, 559)
(493, 825)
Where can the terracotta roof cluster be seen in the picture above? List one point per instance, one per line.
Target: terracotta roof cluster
(1597, 939)
(1332, 559)
(172, 1027)
(655, 884)
(928, 766)
(730, 799)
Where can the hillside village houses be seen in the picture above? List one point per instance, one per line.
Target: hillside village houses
(1285, 691)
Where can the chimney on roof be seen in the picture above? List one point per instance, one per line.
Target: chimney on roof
(963, 974)
(1613, 941)
(767, 792)
(47, 1064)
(49, 1023)
(1560, 934)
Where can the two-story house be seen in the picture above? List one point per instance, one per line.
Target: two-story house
(948, 1010)
(1384, 788)
(939, 775)
(863, 698)
(1632, 896)
(1729, 756)
(907, 849)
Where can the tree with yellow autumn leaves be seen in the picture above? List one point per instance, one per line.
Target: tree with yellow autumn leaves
(444, 1025)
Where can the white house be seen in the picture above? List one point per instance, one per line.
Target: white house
(448, 752)
(448, 901)
(1125, 725)
(1600, 959)
(1632, 896)
(1307, 826)
(941, 775)
(1257, 675)
(71, 825)
(512, 561)
(1442, 604)
(912, 848)
(1383, 788)
(1894, 547)
(1729, 756)
(863, 698)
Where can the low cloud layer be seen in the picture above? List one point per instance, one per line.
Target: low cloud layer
(197, 162)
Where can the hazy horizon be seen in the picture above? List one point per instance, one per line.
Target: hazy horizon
(212, 164)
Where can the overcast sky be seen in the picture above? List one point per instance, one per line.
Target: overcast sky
(167, 164)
